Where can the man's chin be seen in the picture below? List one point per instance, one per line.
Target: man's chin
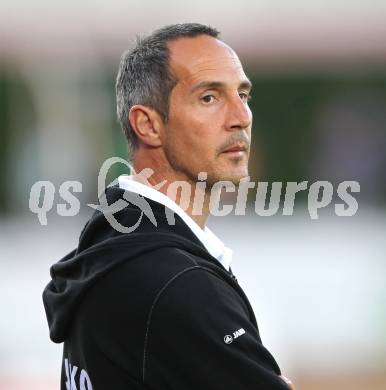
(232, 177)
(236, 180)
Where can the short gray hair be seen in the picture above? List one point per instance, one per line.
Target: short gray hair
(144, 76)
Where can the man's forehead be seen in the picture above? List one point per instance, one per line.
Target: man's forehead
(192, 58)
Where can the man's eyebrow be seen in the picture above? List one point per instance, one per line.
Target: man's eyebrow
(245, 84)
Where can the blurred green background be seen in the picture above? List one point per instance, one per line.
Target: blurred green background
(302, 130)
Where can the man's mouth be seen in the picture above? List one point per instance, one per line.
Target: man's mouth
(235, 150)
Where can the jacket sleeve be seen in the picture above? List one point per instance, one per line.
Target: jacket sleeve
(199, 336)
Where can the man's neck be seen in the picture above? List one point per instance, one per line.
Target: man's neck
(194, 201)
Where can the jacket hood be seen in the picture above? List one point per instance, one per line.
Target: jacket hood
(102, 248)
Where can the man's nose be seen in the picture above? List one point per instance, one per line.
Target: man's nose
(239, 115)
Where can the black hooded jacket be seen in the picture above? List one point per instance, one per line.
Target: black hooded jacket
(152, 309)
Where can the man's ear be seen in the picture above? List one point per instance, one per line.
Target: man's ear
(146, 124)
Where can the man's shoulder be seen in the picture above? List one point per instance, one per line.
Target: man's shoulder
(165, 261)
(135, 286)
(146, 273)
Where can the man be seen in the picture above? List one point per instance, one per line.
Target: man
(158, 307)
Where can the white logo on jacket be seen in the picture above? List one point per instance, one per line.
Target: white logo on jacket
(71, 379)
(237, 333)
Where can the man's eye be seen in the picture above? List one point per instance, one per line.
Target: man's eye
(245, 96)
(208, 98)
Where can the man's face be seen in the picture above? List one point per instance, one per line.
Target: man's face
(209, 125)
